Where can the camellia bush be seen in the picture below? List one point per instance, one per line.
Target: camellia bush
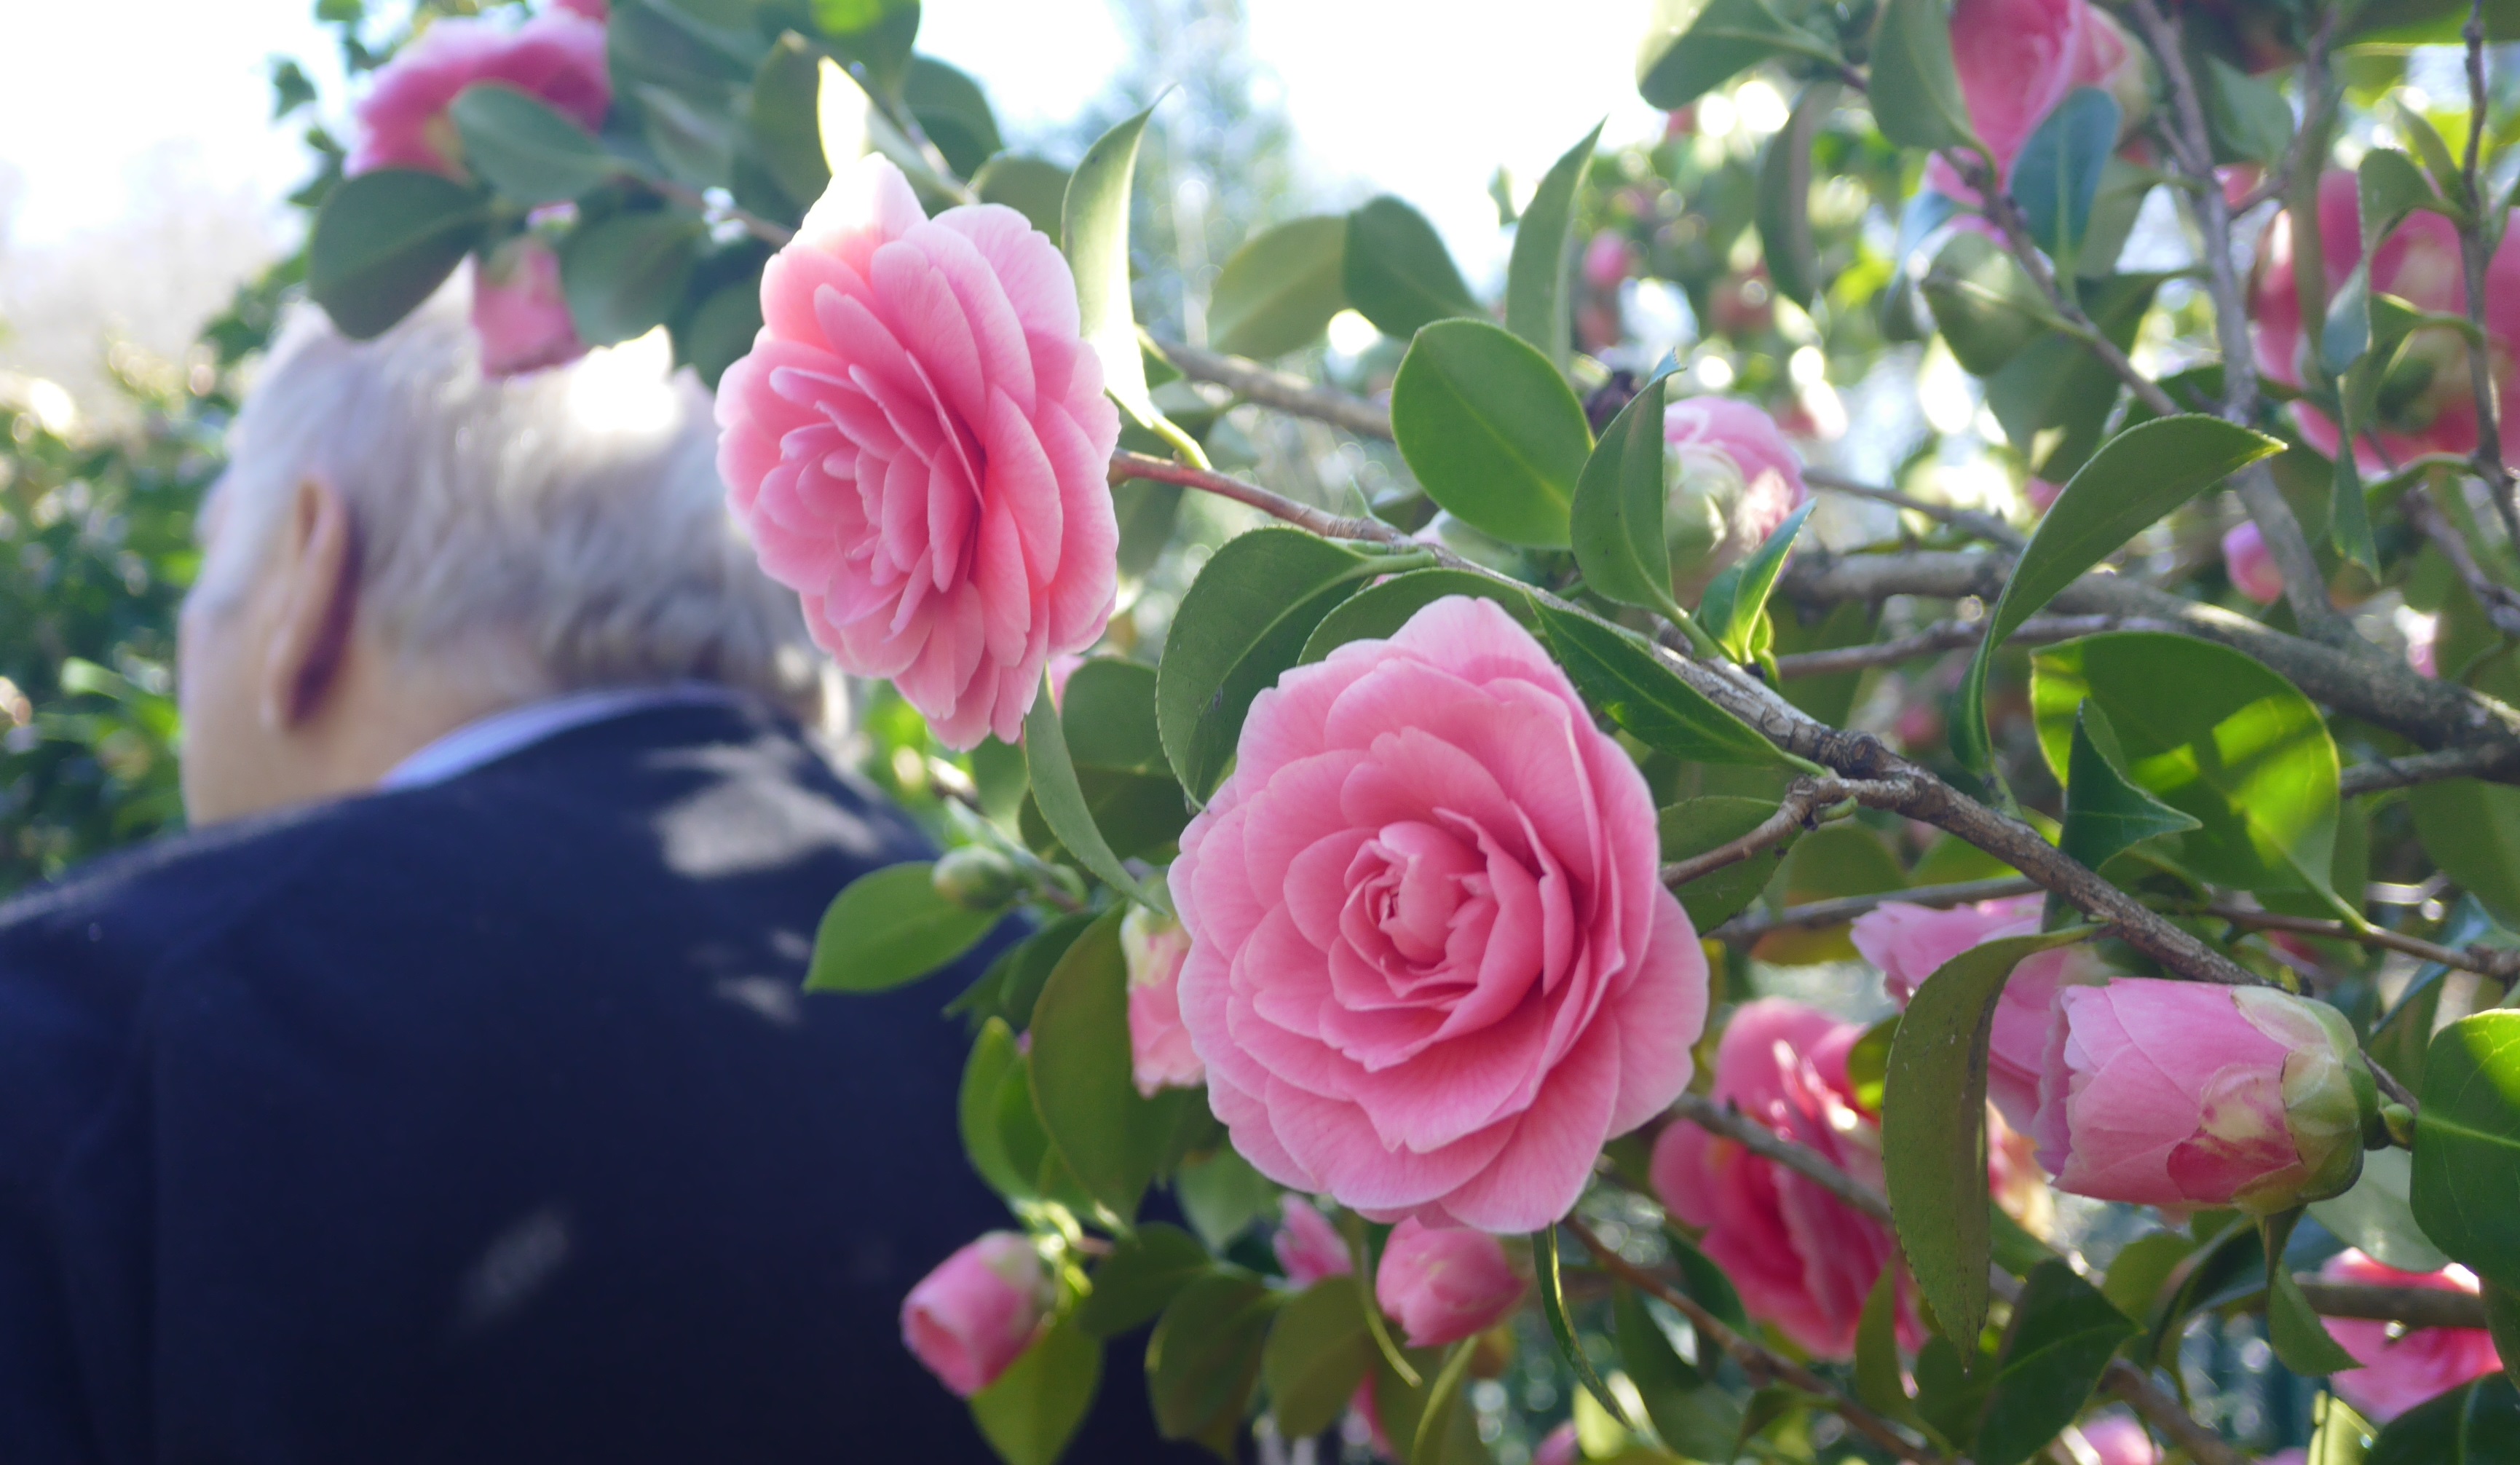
(1423, 893)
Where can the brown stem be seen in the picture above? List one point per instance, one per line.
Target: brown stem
(1984, 526)
(2474, 257)
(2481, 762)
(1750, 926)
(1936, 639)
(2415, 1307)
(2501, 965)
(2319, 103)
(1278, 390)
(1797, 810)
(2500, 603)
(769, 231)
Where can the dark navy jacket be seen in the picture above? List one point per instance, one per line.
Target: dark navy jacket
(487, 1122)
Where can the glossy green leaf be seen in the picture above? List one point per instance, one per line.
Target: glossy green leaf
(1203, 1361)
(1986, 307)
(1112, 1139)
(2134, 480)
(1783, 213)
(1108, 712)
(1005, 1146)
(2213, 733)
(2228, 1264)
(1616, 519)
(1950, 1395)
(889, 927)
(1095, 228)
(2063, 1336)
(2141, 1268)
(384, 240)
(624, 277)
(525, 150)
(1706, 1282)
(1868, 1062)
(2477, 1423)
(1222, 1196)
(2301, 1341)
(1378, 612)
(1490, 429)
(1032, 1411)
(1933, 1125)
(2056, 397)
(1696, 826)
(2105, 812)
(1879, 1381)
(1915, 89)
(1836, 860)
(1738, 598)
(2377, 1219)
(1063, 801)
(1691, 47)
(2338, 1435)
(1030, 186)
(720, 329)
(1552, 1306)
(877, 35)
(781, 121)
(2388, 187)
(2471, 829)
(1277, 292)
(1146, 1271)
(1396, 271)
(1537, 284)
(1319, 1351)
(2467, 1145)
(1693, 1415)
(1008, 990)
(1624, 677)
(2248, 119)
(1242, 623)
(2056, 176)
(953, 111)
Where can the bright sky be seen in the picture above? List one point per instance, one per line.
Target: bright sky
(1421, 97)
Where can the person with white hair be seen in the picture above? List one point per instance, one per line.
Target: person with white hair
(448, 1092)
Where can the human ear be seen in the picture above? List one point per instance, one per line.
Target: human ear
(317, 563)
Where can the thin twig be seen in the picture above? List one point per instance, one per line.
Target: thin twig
(2319, 103)
(1936, 639)
(1797, 810)
(2500, 603)
(1761, 1363)
(2415, 1307)
(2493, 962)
(2482, 762)
(2475, 259)
(1278, 390)
(1984, 526)
(1750, 926)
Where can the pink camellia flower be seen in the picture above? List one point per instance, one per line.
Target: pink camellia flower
(519, 313)
(2429, 405)
(1910, 943)
(557, 59)
(919, 443)
(1559, 1446)
(1443, 1284)
(1733, 478)
(2041, 494)
(978, 1311)
(1607, 259)
(2120, 1439)
(597, 11)
(2399, 1373)
(1161, 1056)
(1431, 968)
(2017, 59)
(1801, 1258)
(1308, 1245)
(2250, 565)
(2186, 1094)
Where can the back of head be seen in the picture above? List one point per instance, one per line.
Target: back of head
(556, 531)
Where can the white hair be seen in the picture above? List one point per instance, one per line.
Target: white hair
(550, 532)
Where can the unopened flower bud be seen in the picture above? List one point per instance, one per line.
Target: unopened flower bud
(977, 879)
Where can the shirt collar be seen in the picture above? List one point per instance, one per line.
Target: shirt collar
(493, 738)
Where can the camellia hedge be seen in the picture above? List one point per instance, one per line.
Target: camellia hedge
(1395, 900)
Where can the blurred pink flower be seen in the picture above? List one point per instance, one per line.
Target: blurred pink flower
(519, 313)
(2250, 565)
(1308, 1247)
(2017, 59)
(2041, 494)
(978, 1311)
(1557, 1448)
(1432, 969)
(558, 59)
(918, 444)
(1607, 260)
(2400, 1373)
(594, 10)
(2119, 1440)
(1443, 1284)
(1732, 480)
(1161, 1056)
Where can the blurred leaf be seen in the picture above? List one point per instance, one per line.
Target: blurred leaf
(1738, 598)
(952, 110)
(1204, 1360)
(877, 35)
(1001, 1132)
(624, 275)
(2376, 1219)
(2502, 1325)
(1552, 1307)
(2340, 1437)
(1626, 679)
(1878, 1382)
(694, 138)
(2063, 1336)
(1278, 292)
(780, 114)
(1836, 860)
(1096, 233)
(1693, 1415)
(1784, 197)
(1933, 1125)
(525, 150)
(2057, 177)
(2053, 398)
(1013, 982)
(1915, 89)
(1111, 1138)
(1397, 273)
(1950, 1394)
(1490, 429)
(1616, 517)
(1691, 47)
(721, 329)
(1378, 612)
(1696, 826)
(1319, 1351)
(2477, 1423)
(1987, 309)
(1223, 1195)
(2230, 1261)
(2104, 813)
(1062, 799)
(2471, 829)
(2300, 1339)
(2467, 1146)
(1033, 1408)
(1108, 711)
(1706, 1282)
(1029, 185)
(385, 242)
(1867, 1063)
(2141, 1268)
(889, 927)
(1148, 1267)
(1537, 287)
(2248, 119)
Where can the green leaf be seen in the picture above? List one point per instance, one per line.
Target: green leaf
(1691, 47)
(1988, 310)
(1000, 1133)
(1691, 1413)
(1868, 1062)
(1617, 518)
(1278, 292)
(2300, 1339)
(2141, 1268)
(2471, 829)
(1063, 801)
(2054, 398)
(1112, 1140)
(1950, 1394)
(1878, 1382)
(721, 328)
(1536, 295)
(2247, 120)
(781, 122)
(2467, 1145)
(1108, 713)
(1222, 1195)
(1205, 1358)
(2213, 733)
(2376, 1219)
(1396, 271)
(624, 275)
(1915, 89)
(1490, 429)
(1378, 612)
(384, 240)
(1706, 1282)
(2477, 1423)
(1619, 673)
(877, 35)
(952, 110)
(2105, 812)
(889, 927)
(1242, 623)
(1146, 1271)
(2063, 1336)
(1552, 1306)
(1029, 185)
(2229, 1262)
(1784, 197)
(2134, 480)
(2340, 1437)
(1933, 1125)
(2057, 177)
(1693, 826)
(525, 150)
(1738, 598)
(1096, 228)
(1033, 1409)
(1319, 1351)
(2502, 1325)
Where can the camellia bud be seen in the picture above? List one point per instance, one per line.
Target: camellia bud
(1732, 479)
(978, 1311)
(976, 877)
(1443, 1284)
(2185, 1094)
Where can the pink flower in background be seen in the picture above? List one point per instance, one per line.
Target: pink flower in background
(1559, 1446)
(1159, 1052)
(2400, 1373)
(1432, 969)
(1443, 1284)
(1308, 1245)
(519, 313)
(2120, 1439)
(597, 11)
(1733, 478)
(1909, 943)
(978, 1311)
(558, 59)
(2250, 565)
(1607, 260)
(2017, 59)
(2041, 494)
(2185, 1094)
(1801, 1258)
(2420, 264)
(918, 444)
